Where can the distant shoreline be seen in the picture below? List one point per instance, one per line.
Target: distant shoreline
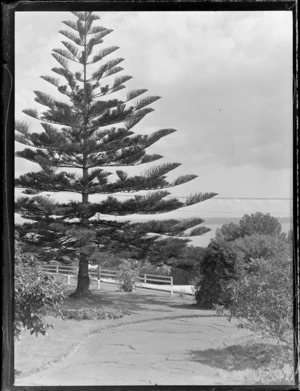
(225, 220)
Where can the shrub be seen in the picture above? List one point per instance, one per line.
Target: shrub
(161, 269)
(225, 262)
(128, 274)
(219, 266)
(93, 313)
(258, 223)
(262, 301)
(36, 295)
(261, 246)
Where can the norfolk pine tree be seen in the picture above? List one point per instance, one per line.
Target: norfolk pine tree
(86, 133)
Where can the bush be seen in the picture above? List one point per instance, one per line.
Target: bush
(182, 277)
(128, 274)
(36, 295)
(161, 269)
(93, 313)
(261, 246)
(258, 223)
(226, 261)
(262, 301)
(219, 266)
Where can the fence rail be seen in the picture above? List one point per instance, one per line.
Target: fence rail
(59, 269)
(111, 276)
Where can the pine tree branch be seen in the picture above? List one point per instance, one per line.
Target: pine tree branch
(72, 37)
(83, 134)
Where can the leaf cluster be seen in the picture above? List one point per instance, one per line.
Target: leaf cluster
(36, 295)
(262, 299)
(228, 256)
(258, 223)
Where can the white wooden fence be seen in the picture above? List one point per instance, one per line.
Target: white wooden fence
(68, 271)
(145, 281)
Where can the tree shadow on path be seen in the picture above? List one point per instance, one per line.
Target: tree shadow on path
(236, 357)
(136, 302)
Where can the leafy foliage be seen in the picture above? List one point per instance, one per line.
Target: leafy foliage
(262, 298)
(36, 295)
(93, 313)
(262, 301)
(261, 246)
(247, 272)
(258, 223)
(129, 271)
(226, 259)
(219, 266)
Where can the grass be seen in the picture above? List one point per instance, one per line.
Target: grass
(80, 319)
(33, 354)
(110, 307)
(84, 317)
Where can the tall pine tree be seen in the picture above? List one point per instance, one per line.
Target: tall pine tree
(83, 135)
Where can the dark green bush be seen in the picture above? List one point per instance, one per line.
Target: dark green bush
(219, 266)
(226, 261)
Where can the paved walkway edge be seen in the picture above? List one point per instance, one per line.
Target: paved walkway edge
(122, 322)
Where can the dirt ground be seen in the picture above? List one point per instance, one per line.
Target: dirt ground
(161, 339)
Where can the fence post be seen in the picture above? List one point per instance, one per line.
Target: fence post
(69, 279)
(145, 278)
(98, 277)
(57, 269)
(171, 292)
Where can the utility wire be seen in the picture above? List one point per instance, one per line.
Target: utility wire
(216, 211)
(214, 198)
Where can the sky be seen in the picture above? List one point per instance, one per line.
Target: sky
(225, 79)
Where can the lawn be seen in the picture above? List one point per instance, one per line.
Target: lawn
(109, 308)
(105, 308)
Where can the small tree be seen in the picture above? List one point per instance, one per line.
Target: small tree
(218, 267)
(258, 223)
(85, 133)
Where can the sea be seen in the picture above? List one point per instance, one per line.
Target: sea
(216, 222)
(215, 212)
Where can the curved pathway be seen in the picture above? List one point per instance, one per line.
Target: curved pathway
(171, 350)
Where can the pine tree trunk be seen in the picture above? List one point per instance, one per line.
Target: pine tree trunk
(83, 280)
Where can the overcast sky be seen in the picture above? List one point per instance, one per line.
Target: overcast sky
(225, 79)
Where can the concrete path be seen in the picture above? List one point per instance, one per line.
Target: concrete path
(183, 350)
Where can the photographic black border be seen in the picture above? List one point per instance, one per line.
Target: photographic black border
(8, 107)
